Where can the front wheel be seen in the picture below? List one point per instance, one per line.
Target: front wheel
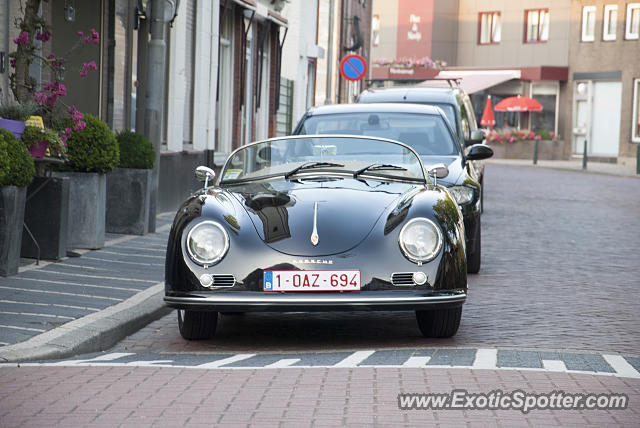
(197, 325)
(439, 322)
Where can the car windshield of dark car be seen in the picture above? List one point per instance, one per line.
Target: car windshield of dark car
(297, 157)
(448, 111)
(427, 134)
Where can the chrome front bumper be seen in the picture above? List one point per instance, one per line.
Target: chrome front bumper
(348, 301)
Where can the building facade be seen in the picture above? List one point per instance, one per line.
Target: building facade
(578, 58)
(604, 78)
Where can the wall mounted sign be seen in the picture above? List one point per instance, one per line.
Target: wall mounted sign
(353, 67)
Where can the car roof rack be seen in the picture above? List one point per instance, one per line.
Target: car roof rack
(450, 80)
(454, 82)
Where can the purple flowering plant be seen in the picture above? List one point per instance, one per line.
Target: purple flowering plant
(49, 96)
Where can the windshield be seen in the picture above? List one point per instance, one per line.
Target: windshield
(448, 111)
(323, 155)
(427, 134)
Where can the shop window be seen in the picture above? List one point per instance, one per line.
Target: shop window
(632, 31)
(536, 25)
(546, 93)
(635, 120)
(610, 22)
(588, 23)
(489, 28)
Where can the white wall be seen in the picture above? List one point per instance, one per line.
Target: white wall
(300, 45)
(205, 75)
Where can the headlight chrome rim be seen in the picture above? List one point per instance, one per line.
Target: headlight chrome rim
(431, 255)
(195, 257)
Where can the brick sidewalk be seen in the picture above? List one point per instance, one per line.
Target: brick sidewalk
(135, 396)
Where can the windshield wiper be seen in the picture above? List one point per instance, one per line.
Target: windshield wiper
(311, 165)
(378, 166)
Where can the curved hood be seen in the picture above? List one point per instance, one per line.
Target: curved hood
(317, 218)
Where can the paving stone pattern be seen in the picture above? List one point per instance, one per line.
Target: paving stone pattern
(317, 397)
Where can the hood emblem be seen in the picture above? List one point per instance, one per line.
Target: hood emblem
(314, 235)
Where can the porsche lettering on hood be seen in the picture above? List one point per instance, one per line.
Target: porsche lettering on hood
(341, 217)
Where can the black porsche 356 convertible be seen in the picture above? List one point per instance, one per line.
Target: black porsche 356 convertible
(318, 223)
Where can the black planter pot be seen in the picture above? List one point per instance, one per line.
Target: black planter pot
(128, 200)
(12, 200)
(46, 217)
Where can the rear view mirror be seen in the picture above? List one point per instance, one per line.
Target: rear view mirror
(479, 151)
(438, 170)
(476, 137)
(205, 174)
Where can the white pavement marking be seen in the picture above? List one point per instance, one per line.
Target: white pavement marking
(55, 305)
(131, 255)
(23, 328)
(83, 275)
(151, 363)
(120, 261)
(160, 248)
(78, 284)
(621, 366)
(285, 362)
(416, 362)
(354, 359)
(61, 293)
(224, 361)
(554, 365)
(31, 314)
(486, 359)
(100, 358)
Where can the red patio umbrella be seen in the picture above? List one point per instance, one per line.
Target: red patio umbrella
(518, 104)
(488, 119)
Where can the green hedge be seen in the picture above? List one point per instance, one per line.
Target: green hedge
(135, 151)
(93, 149)
(16, 164)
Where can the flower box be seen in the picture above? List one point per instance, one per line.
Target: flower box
(547, 149)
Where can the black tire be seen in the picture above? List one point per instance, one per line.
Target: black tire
(481, 197)
(439, 322)
(196, 325)
(474, 254)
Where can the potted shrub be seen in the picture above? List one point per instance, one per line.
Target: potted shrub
(13, 115)
(16, 172)
(129, 186)
(92, 152)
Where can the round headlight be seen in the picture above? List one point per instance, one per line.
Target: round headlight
(420, 240)
(207, 243)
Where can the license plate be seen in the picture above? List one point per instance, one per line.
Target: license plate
(311, 280)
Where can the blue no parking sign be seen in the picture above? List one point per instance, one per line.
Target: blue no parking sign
(353, 67)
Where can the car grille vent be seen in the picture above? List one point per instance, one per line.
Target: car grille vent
(223, 281)
(402, 279)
